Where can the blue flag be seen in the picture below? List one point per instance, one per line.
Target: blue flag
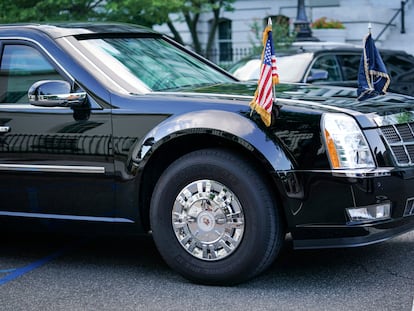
(373, 78)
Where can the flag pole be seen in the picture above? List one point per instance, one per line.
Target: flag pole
(270, 24)
(369, 33)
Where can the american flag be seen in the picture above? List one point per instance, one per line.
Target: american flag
(262, 102)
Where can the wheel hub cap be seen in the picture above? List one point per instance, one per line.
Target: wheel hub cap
(208, 220)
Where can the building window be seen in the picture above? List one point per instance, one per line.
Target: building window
(224, 41)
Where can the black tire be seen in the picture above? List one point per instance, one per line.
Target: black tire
(262, 231)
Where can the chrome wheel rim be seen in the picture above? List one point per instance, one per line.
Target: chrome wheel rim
(208, 220)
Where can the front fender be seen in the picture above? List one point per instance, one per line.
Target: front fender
(235, 126)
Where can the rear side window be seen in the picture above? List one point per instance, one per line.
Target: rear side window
(401, 70)
(20, 67)
(400, 67)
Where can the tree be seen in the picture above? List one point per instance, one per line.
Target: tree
(152, 12)
(191, 12)
(282, 37)
(144, 12)
(14, 11)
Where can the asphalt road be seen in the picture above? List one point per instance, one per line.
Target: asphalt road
(74, 273)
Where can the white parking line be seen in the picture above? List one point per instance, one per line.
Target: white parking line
(412, 309)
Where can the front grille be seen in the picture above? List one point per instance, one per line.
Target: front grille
(400, 140)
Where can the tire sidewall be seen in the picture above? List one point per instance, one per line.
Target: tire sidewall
(259, 215)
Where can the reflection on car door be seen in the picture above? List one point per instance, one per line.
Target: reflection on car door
(329, 64)
(54, 161)
(400, 67)
(349, 64)
(342, 68)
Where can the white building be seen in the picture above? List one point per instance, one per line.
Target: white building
(236, 27)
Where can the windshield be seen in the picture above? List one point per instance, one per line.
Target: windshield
(150, 63)
(291, 68)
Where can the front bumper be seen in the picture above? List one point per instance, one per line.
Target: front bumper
(344, 236)
(318, 217)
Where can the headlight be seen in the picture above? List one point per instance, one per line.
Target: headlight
(345, 143)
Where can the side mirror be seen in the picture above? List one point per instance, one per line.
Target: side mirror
(54, 93)
(317, 75)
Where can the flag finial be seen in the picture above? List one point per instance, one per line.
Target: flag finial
(269, 21)
(369, 27)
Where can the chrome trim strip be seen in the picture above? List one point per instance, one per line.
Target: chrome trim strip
(28, 106)
(53, 168)
(354, 173)
(66, 217)
(363, 173)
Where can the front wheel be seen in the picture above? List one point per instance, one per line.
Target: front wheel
(214, 219)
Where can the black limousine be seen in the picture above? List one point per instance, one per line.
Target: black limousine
(117, 127)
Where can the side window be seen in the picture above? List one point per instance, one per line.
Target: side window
(350, 66)
(399, 67)
(20, 67)
(328, 63)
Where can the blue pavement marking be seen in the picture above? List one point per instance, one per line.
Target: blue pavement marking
(15, 273)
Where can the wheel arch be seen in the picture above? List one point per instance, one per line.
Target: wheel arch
(261, 151)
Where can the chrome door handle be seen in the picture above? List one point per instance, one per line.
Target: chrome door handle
(4, 129)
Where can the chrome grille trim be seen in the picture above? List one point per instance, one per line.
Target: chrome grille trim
(400, 141)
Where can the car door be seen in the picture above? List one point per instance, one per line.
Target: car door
(55, 162)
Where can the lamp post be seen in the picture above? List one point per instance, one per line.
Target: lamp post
(302, 28)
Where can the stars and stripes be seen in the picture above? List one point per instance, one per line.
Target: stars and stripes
(264, 96)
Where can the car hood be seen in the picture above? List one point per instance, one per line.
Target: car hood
(380, 110)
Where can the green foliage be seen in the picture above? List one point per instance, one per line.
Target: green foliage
(282, 38)
(15, 11)
(324, 23)
(143, 12)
